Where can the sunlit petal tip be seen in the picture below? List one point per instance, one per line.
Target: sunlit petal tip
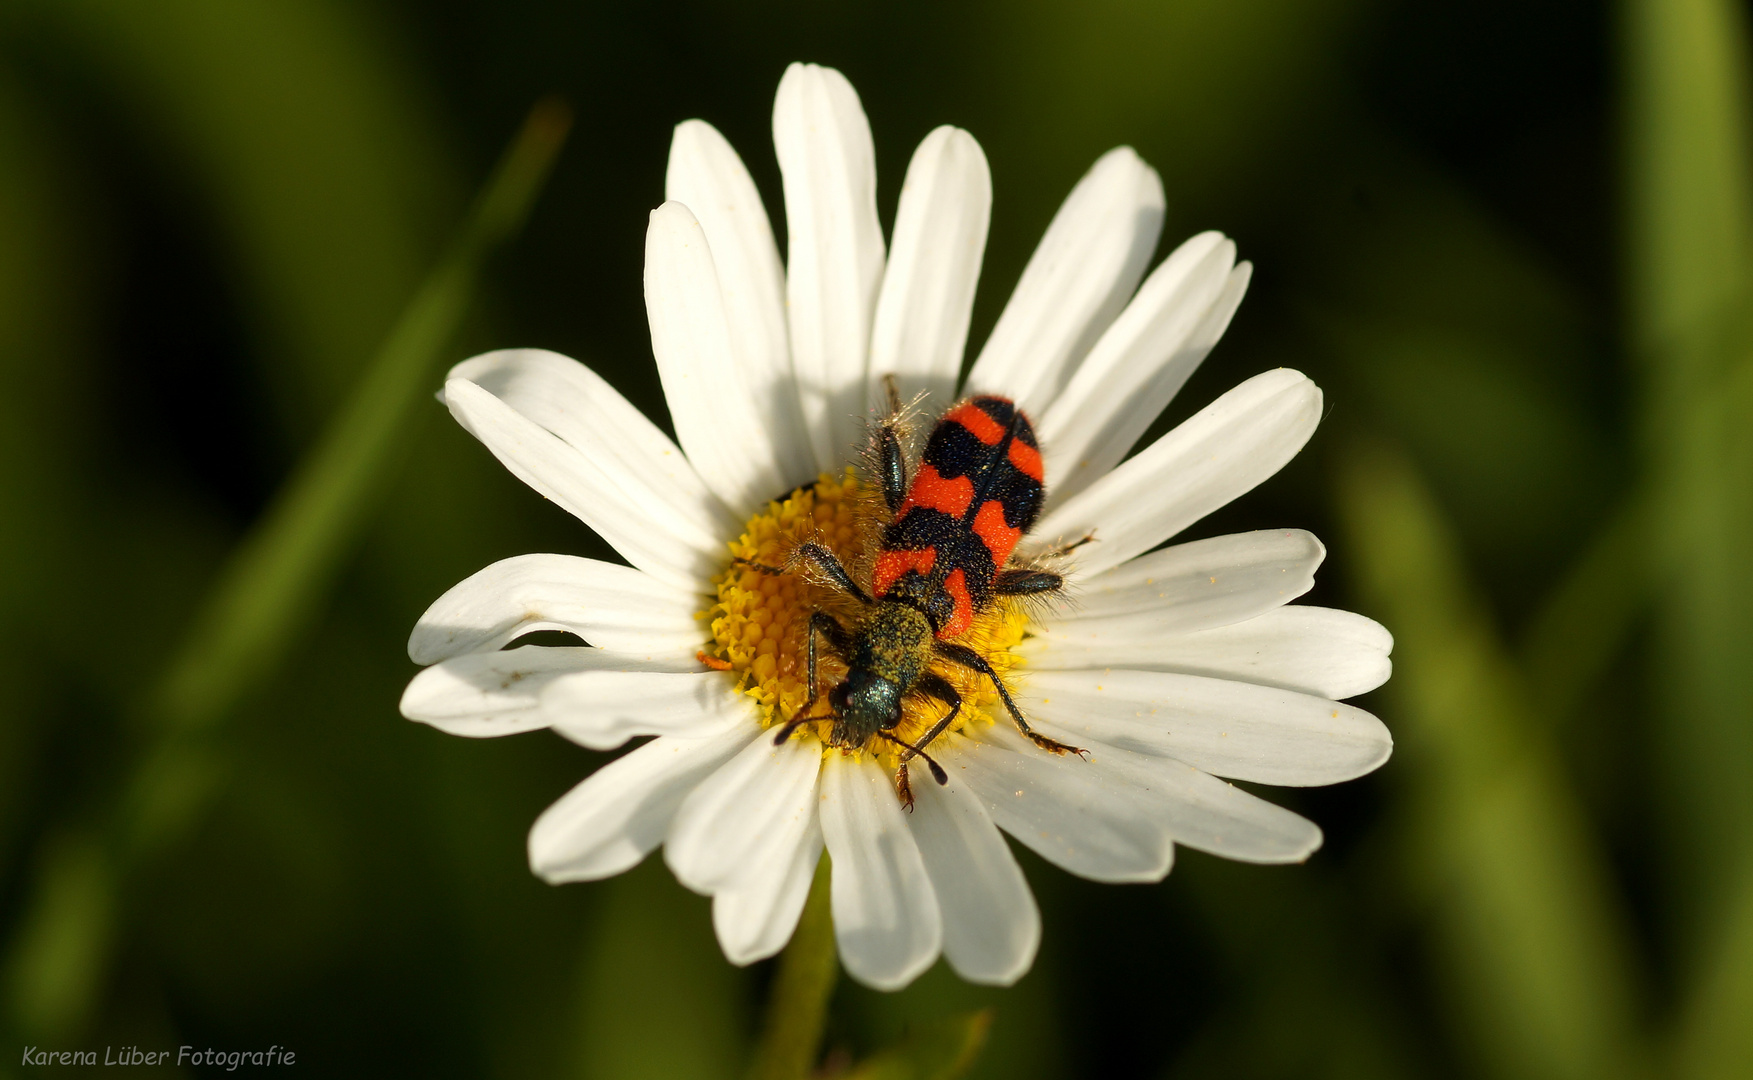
(483, 695)
(710, 397)
(991, 925)
(1226, 727)
(608, 605)
(1218, 454)
(886, 916)
(563, 431)
(827, 162)
(612, 819)
(754, 917)
(760, 801)
(927, 298)
(1086, 266)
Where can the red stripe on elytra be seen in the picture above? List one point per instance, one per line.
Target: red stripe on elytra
(890, 565)
(974, 418)
(999, 538)
(1026, 458)
(963, 615)
(933, 492)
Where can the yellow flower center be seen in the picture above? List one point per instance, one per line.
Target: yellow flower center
(760, 624)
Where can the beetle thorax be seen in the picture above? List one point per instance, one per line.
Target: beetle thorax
(891, 649)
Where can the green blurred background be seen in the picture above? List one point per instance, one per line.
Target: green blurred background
(1509, 239)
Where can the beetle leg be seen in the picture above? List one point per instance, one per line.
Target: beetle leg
(1026, 582)
(839, 641)
(891, 463)
(934, 685)
(904, 786)
(968, 658)
(824, 558)
(1066, 549)
(829, 564)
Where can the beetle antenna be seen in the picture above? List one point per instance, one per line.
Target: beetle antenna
(792, 725)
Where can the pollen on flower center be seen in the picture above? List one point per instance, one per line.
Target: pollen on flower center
(760, 622)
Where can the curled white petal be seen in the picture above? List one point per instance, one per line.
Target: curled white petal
(1082, 819)
(572, 401)
(835, 244)
(1140, 363)
(665, 545)
(934, 264)
(603, 709)
(1088, 262)
(991, 926)
(706, 175)
(759, 802)
(593, 697)
(613, 607)
(1314, 650)
(1217, 454)
(615, 816)
(705, 382)
(1227, 728)
(482, 695)
(886, 919)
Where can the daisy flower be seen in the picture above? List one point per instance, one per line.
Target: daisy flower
(1172, 667)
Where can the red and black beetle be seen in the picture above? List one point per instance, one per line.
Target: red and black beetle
(941, 560)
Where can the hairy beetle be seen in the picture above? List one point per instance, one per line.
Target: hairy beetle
(941, 559)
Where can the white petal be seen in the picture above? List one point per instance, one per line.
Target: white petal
(1227, 728)
(1188, 587)
(710, 395)
(613, 607)
(885, 913)
(835, 246)
(644, 530)
(593, 697)
(603, 709)
(619, 813)
(991, 926)
(493, 693)
(706, 175)
(760, 802)
(934, 264)
(1079, 818)
(756, 914)
(575, 403)
(1087, 264)
(1225, 449)
(1141, 362)
(1200, 810)
(1313, 650)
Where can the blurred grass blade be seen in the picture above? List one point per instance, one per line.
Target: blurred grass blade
(279, 574)
(1690, 223)
(942, 1050)
(1714, 1032)
(1715, 1038)
(1690, 207)
(1530, 940)
(51, 981)
(284, 567)
(312, 153)
(797, 1004)
(1574, 637)
(657, 1000)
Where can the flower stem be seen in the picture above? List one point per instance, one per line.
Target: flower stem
(797, 1008)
